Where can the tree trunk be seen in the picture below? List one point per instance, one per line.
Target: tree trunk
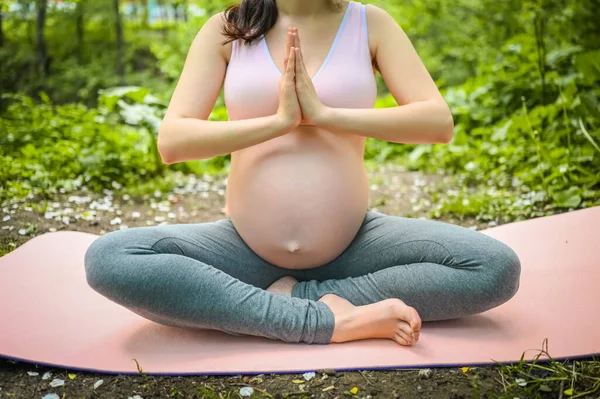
(1, 31)
(79, 24)
(120, 42)
(42, 52)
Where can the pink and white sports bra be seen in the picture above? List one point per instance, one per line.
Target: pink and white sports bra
(344, 80)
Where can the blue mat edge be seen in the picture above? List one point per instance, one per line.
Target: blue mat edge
(443, 365)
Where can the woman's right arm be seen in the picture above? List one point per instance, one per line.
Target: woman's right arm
(185, 133)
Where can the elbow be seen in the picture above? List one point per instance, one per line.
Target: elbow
(447, 127)
(165, 147)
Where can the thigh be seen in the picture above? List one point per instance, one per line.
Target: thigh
(217, 244)
(385, 241)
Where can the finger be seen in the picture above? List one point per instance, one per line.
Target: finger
(298, 63)
(300, 66)
(288, 45)
(297, 39)
(303, 65)
(291, 67)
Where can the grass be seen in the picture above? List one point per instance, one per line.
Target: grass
(575, 380)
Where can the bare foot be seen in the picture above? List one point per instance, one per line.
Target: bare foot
(283, 286)
(390, 318)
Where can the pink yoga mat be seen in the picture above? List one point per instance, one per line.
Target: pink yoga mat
(49, 315)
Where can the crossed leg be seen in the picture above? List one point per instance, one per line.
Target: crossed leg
(439, 270)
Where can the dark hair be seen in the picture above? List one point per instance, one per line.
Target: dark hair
(251, 19)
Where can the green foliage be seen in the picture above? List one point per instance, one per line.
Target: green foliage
(49, 148)
(521, 77)
(526, 120)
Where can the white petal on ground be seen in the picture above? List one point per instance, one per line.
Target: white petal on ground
(47, 375)
(425, 373)
(52, 229)
(308, 376)
(98, 383)
(135, 214)
(51, 396)
(6, 218)
(57, 382)
(33, 373)
(135, 397)
(115, 221)
(22, 232)
(246, 391)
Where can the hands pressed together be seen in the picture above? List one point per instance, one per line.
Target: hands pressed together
(298, 100)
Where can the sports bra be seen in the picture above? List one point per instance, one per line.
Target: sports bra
(344, 80)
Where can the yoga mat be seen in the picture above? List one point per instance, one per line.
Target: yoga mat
(49, 315)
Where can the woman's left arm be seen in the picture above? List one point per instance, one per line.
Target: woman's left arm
(422, 117)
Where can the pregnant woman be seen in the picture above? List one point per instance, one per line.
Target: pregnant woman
(299, 256)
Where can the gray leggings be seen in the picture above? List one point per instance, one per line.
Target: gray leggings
(205, 276)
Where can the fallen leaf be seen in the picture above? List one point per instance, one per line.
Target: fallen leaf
(568, 392)
(72, 376)
(465, 369)
(329, 388)
(354, 391)
(298, 381)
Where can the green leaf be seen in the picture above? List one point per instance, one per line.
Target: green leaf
(418, 152)
(545, 388)
(588, 64)
(570, 198)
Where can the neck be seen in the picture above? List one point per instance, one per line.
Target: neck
(303, 8)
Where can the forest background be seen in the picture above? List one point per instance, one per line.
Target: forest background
(84, 85)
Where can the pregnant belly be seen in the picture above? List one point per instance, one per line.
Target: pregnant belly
(298, 202)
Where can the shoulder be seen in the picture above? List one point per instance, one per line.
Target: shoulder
(378, 19)
(380, 25)
(380, 22)
(212, 31)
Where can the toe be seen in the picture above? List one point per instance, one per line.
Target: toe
(401, 340)
(407, 335)
(416, 336)
(405, 327)
(415, 320)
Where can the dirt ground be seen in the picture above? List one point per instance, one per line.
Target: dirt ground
(201, 199)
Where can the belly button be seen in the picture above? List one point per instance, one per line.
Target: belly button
(293, 246)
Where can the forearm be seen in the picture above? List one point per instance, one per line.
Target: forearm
(424, 122)
(184, 139)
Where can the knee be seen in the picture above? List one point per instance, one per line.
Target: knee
(99, 262)
(505, 274)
